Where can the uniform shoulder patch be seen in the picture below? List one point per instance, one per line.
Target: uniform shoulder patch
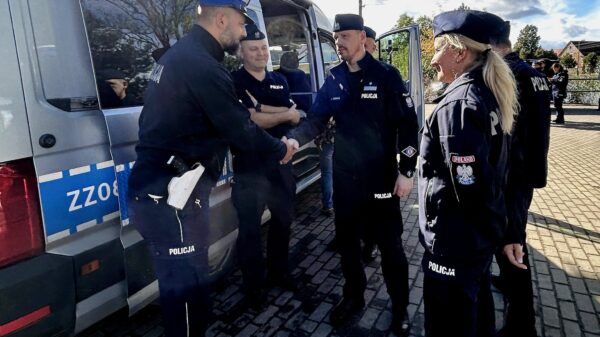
(409, 151)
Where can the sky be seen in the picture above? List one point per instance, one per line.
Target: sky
(558, 21)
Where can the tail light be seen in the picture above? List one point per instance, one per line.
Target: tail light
(21, 234)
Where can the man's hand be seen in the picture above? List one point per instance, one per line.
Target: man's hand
(294, 115)
(514, 253)
(403, 186)
(291, 149)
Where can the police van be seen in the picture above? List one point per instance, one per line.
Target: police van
(72, 78)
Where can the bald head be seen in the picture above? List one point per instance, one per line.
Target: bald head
(226, 25)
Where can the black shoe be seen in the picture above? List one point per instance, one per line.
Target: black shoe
(333, 245)
(285, 282)
(344, 310)
(327, 211)
(369, 253)
(559, 121)
(400, 325)
(498, 283)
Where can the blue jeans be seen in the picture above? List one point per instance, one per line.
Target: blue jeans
(327, 175)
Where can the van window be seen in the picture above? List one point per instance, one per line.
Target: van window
(291, 53)
(330, 55)
(63, 56)
(126, 38)
(395, 50)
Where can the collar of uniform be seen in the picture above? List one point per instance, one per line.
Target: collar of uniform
(268, 75)
(513, 56)
(211, 44)
(367, 62)
(465, 78)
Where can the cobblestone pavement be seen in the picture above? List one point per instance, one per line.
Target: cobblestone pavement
(563, 234)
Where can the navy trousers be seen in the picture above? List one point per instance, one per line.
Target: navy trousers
(178, 244)
(274, 187)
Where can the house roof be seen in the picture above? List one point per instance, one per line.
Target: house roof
(586, 47)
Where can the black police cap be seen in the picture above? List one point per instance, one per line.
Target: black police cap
(370, 33)
(253, 33)
(499, 29)
(348, 22)
(470, 23)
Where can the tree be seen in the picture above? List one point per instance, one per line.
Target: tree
(590, 62)
(545, 54)
(463, 7)
(568, 61)
(404, 20)
(528, 42)
(426, 28)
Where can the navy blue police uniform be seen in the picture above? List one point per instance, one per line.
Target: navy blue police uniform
(559, 82)
(462, 170)
(528, 170)
(375, 118)
(259, 182)
(191, 111)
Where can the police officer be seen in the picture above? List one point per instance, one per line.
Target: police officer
(559, 81)
(371, 44)
(191, 114)
(258, 180)
(462, 169)
(528, 170)
(374, 117)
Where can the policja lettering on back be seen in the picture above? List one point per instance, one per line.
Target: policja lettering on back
(365, 164)
(191, 112)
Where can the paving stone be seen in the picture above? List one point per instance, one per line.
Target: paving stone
(590, 322)
(567, 310)
(551, 317)
(321, 311)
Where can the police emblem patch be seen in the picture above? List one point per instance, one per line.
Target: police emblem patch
(409, 151)
(336, 26)
(257, 35)
(465, 175)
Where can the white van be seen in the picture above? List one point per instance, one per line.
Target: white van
(68, 255)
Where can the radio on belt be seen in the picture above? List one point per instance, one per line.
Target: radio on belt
(180, 188)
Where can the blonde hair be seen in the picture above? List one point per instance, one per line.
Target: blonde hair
(496, 74)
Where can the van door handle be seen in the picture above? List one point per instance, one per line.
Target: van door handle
(47, 141)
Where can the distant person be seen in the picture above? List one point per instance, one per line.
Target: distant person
(559, 81)
(117, 80)
(537, 65)
(289, 67)
(371, 44)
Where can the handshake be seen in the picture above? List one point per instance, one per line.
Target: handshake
(292, 146)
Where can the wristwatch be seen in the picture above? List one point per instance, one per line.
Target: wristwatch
(258, 107)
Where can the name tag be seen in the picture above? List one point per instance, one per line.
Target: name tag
(335, 98)
(370, 88)
(276, 87)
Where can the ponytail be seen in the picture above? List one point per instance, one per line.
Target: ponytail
(497, 77)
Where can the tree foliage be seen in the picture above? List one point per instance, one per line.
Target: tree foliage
(528, 42)
(404, 20)
(463, 7)
(568, 61)
(590, 62)
(545, 54)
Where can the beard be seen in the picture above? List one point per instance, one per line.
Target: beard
(230, 43)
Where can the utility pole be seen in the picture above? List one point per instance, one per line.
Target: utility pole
(360, 7)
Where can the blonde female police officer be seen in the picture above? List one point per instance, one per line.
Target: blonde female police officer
(462, 173)
(191, 112)
(374, 117)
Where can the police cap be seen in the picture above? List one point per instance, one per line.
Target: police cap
(253, 33)
(348, 22)
(240, 5)
(470, 23)
(370, 32)
(499, 29)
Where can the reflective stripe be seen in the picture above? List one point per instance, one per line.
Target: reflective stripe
(86, 225)
(105, 164)
(59, 235)
(111, 216)
(50, 177)
(80, 170)
(187, 319)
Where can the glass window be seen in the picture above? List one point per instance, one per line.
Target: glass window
(291, 55)
(395, 49)
(126, 38)
(63, 55)
(330, 55)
